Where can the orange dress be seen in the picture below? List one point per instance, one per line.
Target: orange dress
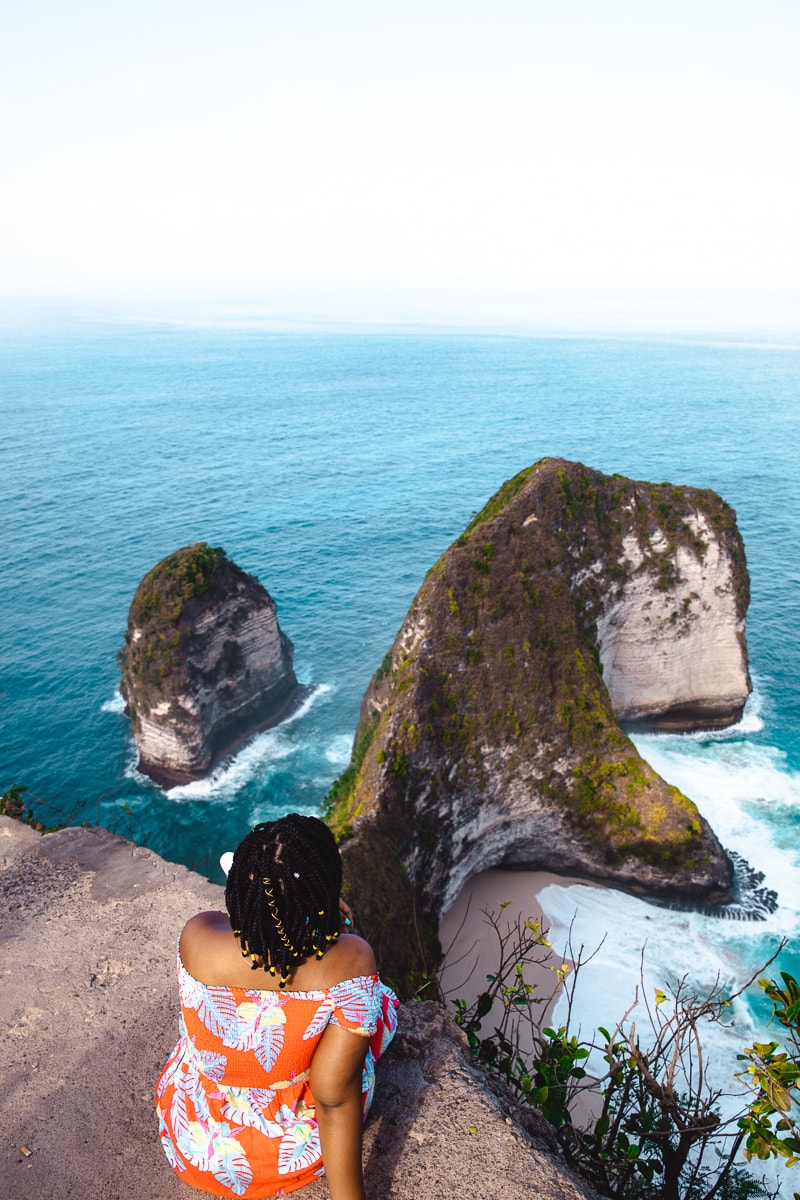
(236, 1113)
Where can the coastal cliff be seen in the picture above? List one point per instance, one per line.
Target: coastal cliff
(204, 663)
(89, 923)
(491, 734)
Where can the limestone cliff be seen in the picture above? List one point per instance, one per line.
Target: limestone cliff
(204, 663)
(491, 735)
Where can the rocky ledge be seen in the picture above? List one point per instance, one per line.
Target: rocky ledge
(204, 664)
(491, 734)
(89, 924)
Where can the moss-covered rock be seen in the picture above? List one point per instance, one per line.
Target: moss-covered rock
(489, 737)
(204, 662)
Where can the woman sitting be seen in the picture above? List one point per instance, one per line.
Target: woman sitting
(283, 1016)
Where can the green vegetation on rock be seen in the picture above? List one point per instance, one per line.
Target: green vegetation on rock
(491, 711)
(150, 660)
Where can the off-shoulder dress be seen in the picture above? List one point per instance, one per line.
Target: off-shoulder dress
(235, 1108)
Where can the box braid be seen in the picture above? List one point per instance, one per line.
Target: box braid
(283, 891)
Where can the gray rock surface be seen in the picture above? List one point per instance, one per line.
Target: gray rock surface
(205, 663)
(491, 735)
(88, 1008)
(673, 656)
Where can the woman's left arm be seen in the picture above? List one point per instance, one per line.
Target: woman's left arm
(336, 1087)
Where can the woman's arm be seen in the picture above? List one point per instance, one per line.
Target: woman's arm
(336, 1087)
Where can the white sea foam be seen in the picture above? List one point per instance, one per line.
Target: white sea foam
(254, 759)
(339, 749)
(647, 947)
(115, 705)
(748, 795)
(751, 722)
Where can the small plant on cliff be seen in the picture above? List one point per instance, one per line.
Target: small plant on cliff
(13, 804)
(652, 1128)
(773, 1074)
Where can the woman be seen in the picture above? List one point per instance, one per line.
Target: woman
(282, 1019)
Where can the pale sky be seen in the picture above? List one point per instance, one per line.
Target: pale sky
(539, 161)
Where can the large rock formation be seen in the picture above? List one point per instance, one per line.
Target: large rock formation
(204, 663)
(490, 736)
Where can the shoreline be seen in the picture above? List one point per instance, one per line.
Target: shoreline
(470, 945)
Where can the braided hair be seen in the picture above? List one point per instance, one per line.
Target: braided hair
(282, 893)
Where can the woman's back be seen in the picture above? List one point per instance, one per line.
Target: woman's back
(211, 953)
(283, 1016)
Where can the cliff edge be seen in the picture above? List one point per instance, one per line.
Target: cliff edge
(491, 734)
(204, 664)
(89, 1005)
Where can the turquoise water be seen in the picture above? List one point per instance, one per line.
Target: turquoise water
(337, 466)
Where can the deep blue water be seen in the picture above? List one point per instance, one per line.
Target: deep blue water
(337, 466)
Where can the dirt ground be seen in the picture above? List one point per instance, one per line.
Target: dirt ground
(88, 1008)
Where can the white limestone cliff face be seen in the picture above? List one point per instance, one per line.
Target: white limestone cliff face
(223, 668)
(673, 655)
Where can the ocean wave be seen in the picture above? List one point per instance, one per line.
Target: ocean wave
(751, 799)
(115, 705)
(339, 749)
(751, 722)
(254, 758)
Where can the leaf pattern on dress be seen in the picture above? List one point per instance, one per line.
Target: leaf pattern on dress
(167, 1146)
(207, 1144)
(320, 1019)
(171, 1066)
(178, 1112)
(215, 1006)
(233, 1170)
(249, 1107)
(260, 1028)
(212, 1065)
(357, 1002)
(368, 1081)
(255, 1022)
(270, 1046)
(299, 1146)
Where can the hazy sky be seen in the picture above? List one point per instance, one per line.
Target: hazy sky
(575, 161)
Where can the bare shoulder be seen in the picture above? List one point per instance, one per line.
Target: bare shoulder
(350, 958)
(204, 923)
(201, 936)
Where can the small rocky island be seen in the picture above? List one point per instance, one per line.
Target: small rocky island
(492, 734)
(204, 664)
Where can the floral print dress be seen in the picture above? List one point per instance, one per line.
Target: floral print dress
(235, 1108)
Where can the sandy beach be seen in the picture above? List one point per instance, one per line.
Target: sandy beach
(471, 944)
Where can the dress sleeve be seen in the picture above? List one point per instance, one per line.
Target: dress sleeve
(357, 1004)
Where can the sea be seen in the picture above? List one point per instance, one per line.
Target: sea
(337, 463)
